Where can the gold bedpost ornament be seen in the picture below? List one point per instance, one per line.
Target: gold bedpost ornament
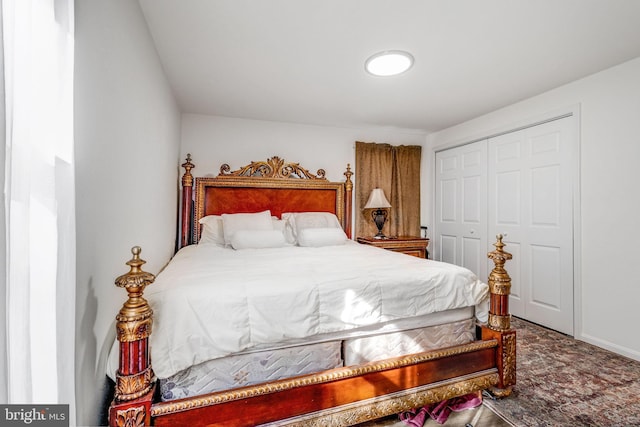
(187, 199)
(133, 327)
(348, 174)
(500, 288)
(187, 178)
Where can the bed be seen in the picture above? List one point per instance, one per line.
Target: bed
(270, 314)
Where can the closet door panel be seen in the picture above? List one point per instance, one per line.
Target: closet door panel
(472, 254)
(461, 207)
(448, 249)
(545, 268)
(448, 206)
(472, 185)
(506, 215)
(447, 190)
(530, 172)
(545, 197)
(516, 300)
(507, 198)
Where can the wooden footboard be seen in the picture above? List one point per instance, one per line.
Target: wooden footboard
(346, 395)
(341, 397)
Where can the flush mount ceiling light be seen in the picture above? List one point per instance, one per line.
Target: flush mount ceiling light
(389, 63)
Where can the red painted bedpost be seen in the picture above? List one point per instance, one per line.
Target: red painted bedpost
(348, 186)
(187, 197)
(135, 381)
(499, 324)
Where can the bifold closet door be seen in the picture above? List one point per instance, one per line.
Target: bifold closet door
(530, 202)
(461, 207)
(520, 185)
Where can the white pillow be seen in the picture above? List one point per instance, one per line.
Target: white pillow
(212, 231)
(231, 223)
(278, 224)
(298, 221)
(317, 237)
(257, 239)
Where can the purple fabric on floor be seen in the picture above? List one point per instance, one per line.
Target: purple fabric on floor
(440, 411)
(414, 417)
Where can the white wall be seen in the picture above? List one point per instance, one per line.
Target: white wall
(213, 141)
(607, 285)
(3, 254)
(127, 133)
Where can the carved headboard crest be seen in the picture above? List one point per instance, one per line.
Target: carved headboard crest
(275, 167)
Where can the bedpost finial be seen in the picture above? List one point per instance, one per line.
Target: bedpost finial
(499, 288)
(136, 277)
(348, 174)
(187, 164)
(187, 178)
(499, 256)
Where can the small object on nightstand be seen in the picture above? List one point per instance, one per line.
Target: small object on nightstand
(416, 246)
(423, 229)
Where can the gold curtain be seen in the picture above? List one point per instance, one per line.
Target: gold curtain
(396, 170)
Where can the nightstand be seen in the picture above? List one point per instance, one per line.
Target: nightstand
(416, 246)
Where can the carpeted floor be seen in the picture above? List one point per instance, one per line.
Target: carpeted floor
(565, 382)
(560, 382)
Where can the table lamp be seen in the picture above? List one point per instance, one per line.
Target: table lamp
(378, 202)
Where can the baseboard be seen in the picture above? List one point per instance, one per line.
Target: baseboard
(615, 348)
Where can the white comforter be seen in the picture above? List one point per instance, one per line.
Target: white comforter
(210, 302)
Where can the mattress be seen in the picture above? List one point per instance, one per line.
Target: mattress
(275, 364)
(358, 351)
(252, 368)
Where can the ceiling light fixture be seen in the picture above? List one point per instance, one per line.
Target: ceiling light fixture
(389, 63)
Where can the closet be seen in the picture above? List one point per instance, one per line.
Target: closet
(519, 184)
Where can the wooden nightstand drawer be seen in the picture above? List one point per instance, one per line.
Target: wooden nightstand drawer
(415, 246)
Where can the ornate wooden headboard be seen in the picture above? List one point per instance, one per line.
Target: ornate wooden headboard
(273, 184)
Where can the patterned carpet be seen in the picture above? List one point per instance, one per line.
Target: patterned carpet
(560, 382)
(564, 382)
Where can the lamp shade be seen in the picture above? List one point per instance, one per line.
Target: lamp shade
(377, 200)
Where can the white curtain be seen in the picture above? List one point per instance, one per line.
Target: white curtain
(39, 208)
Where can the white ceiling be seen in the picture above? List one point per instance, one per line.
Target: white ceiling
(302, 61)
